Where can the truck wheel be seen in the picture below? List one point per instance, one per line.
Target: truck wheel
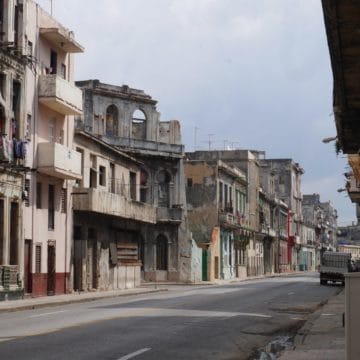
(323, 282)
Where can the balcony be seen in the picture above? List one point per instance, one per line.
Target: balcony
(61, 38)
(106, 203)
(172, 215)
(59, 161)
(60, 95)
(233, 221)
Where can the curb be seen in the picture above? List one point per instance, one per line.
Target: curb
(54, 302)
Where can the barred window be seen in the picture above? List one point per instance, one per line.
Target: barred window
(38, 259)
(38, 195)
(26, 195)
(63, 200)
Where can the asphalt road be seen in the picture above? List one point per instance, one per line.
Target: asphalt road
(186, 322)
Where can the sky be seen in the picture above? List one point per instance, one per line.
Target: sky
(248, 74)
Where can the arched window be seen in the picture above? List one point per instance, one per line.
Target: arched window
(144, 177)
(138, 125)
(161, 253)
(164, 179)
(112, 121)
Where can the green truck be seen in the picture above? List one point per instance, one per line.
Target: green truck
(333, 267)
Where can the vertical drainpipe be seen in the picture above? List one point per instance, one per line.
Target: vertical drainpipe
(68, 192)
(289, 238)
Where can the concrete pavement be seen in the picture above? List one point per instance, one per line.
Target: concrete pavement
(323, 335)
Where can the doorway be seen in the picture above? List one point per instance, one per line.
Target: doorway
(51, 268)
(27, 267)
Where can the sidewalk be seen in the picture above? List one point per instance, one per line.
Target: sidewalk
(323, 335)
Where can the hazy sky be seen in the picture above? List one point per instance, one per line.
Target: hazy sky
(251, 74)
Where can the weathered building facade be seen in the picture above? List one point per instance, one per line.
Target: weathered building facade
(245, 161)
(127, 120)
(272, 219)
(286, 178)
(322, 218)
(108, 251)
(38, 99)
(217, 208)
(13, 61)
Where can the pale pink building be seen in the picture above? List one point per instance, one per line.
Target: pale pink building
(51, 101)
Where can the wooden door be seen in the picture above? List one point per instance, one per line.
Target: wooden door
(27, 268)
(51, 269)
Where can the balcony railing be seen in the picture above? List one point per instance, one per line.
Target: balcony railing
(229, 219)
(60, 95)
(59, 161)
(174, 215)
(104, 202)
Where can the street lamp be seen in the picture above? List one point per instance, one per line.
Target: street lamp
(329, 139)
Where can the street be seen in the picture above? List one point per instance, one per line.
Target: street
(186, 322)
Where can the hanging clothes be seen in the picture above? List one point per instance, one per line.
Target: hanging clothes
(17, 149)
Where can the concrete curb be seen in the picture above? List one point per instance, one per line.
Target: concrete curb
(38, 303)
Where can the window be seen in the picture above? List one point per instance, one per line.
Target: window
(38, 195)
(132, 185)
(189, 182)
(51, 207)
(161, 253)
(61, 137)
(63, 201)
(51, 131)
(53, 62)
(3, 85)
(138, 124)
(143, 185)
(38, 259)
(26, 196)
(78, 181)
(226, 194)
(112, 178)
(242, 203)
(29, 48)
(221, 198)
(112, 121)
(63, 71)
(102, 175)
(164, 179)
(28, 127)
